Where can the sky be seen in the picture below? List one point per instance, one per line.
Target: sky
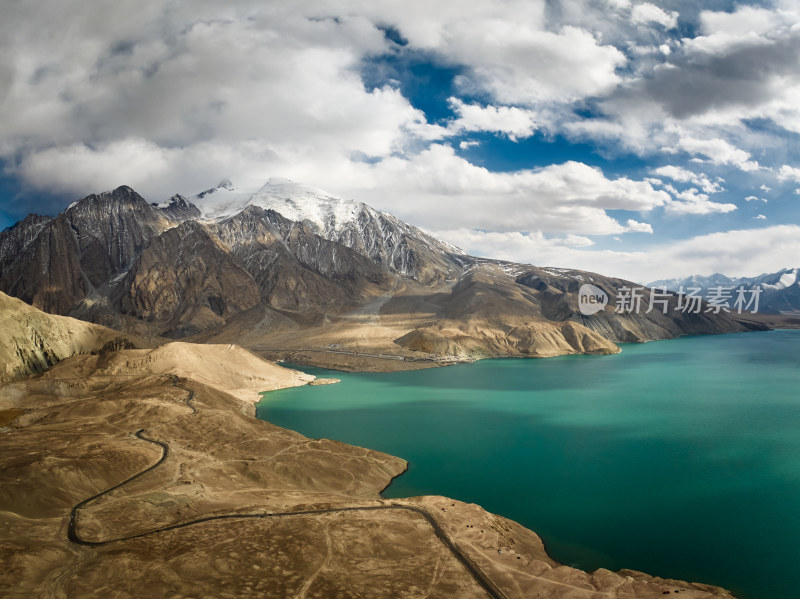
(636, 139)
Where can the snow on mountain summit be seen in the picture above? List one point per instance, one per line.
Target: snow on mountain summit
(780, 280)
(221, 201)
(294, 201)
(300, 202)
(378, 235)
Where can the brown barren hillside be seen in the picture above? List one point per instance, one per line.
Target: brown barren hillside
(141, 473)
(31, 340)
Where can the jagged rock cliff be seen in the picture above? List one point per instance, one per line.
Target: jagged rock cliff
(186, 278)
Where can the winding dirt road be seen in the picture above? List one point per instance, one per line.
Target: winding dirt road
(72, 529)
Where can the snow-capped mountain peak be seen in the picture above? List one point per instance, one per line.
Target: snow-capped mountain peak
(294, 201)
(383, 238)
(780, 280)
(300, 202)
(221, 201)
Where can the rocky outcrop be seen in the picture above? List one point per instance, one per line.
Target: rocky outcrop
(482, 339)
(179, 209)
(296, 269)
(187, 281)
(53, 264)
(111, 229)
(33, 341)
(395, 246)
(17, 237)
(46, 271)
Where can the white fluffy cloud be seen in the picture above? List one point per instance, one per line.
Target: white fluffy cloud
(692, 201)
(516, 50)
(789, 173)
(512, 121)
(637, 227)
(703, 95)
(519, 64)
(288, 85)
(284, 85)
(438, 189)
(717, 151)
(650, 13)
(171, 97)
(746, 26)
(684, 175)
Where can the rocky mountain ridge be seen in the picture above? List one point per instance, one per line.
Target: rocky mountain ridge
(336, 277)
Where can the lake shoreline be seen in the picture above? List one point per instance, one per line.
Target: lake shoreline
(725, 359)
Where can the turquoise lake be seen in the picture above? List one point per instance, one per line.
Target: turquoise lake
(679, 458)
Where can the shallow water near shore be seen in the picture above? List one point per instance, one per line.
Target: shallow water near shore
(679, 458)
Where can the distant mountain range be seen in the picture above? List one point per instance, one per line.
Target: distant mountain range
(292, 270)
(780, 290)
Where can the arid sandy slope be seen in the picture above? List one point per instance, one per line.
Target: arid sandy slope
(142, 473)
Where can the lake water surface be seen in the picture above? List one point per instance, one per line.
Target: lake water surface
(679, 458)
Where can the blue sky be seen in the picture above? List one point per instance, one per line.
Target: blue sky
(643, 140)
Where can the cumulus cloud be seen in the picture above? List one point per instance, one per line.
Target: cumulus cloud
(517, 51)
(438, 189)
(170, 97)
(512, 121)
(154, 171)
(143, 94)
(703, 96)
(289, 73)
(576, 241)
(692, 201)
(723, 70)
(650, 13)
(746, 26)
(717, 151)
(637, 227)
(789, 173)
(518, 64)
(284, 85)
(754, 199)
(684, 175)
